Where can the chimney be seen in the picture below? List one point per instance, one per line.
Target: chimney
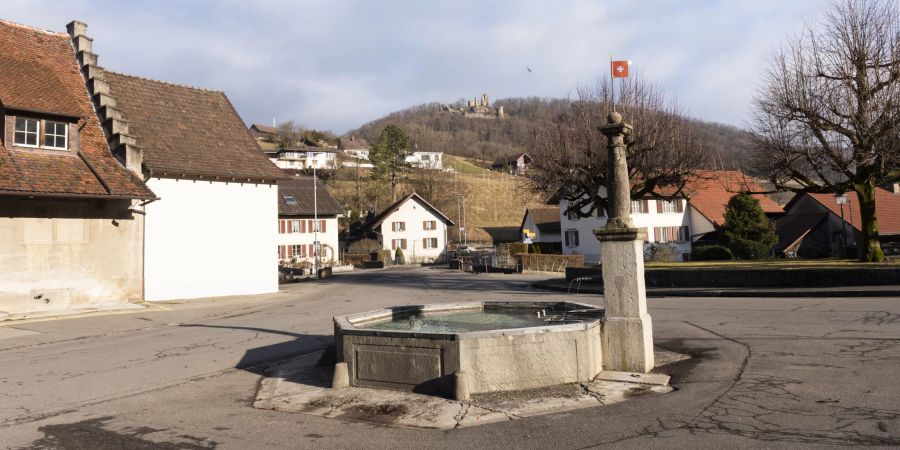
(121, 143)
(484, 100)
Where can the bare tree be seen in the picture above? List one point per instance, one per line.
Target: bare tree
(826, 118)
(664, 153)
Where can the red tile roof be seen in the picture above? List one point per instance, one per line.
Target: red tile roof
(710, 193)
(887, 210)
(188, 131)
(39, 73)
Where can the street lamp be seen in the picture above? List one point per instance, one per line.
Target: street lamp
(841, 200)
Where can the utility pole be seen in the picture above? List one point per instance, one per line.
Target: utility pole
(315, 222)
(841, 199)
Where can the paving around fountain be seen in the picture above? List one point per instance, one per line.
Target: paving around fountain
(301, 385)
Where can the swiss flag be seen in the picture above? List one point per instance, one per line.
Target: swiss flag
(619, 69)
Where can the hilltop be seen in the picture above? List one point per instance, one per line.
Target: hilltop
(434, 127)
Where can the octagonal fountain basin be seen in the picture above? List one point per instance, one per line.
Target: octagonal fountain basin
(498, 346)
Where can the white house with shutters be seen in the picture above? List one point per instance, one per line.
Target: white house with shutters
(666, 222)
(303, 222)
(413, 225)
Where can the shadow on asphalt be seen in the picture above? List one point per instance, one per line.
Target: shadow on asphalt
(446, 279)
(255, 360)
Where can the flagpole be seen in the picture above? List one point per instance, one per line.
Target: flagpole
(612, 83)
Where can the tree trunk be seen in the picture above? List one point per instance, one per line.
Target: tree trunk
(870, 251)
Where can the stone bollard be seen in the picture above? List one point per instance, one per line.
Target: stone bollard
(341, 378)
(460, 386)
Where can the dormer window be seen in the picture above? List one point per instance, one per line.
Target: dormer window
(27, 131)
(56, 135)
(41, 133)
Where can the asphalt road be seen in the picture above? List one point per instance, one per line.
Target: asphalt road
(766, 372)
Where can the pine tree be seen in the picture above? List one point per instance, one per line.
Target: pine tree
(388, 156)
(748, 233)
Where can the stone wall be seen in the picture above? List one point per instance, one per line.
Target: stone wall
(57, 254)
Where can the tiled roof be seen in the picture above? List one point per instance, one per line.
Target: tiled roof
(887, 210)
(39, 73)
(790, 228)
(265, 128)
(301, 189)
(545, 218)
(188, 131)
(710, 193)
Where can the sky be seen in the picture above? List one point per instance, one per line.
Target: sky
(337, 64)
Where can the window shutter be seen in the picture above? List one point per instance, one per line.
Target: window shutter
(645, 206)
(679, 206)
(322, 226)
(659, 206)
(281, 252)
(290, 251)
(576, 237)
(281, 226)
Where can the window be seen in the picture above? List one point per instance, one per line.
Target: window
(295, 226)
(571, 238)
(55, 135)
(290, 200)
(669, 206)
(299, 251)
(671, 234)
(572, 215)
(398, 226)
(26, 133)
(429, 225)
(430, 243)
(401, 243)
(639, 207)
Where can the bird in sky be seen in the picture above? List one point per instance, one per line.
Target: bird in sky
(528, 69)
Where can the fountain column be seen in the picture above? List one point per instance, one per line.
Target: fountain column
(627, 330)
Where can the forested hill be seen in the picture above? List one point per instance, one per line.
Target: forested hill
(433, 129)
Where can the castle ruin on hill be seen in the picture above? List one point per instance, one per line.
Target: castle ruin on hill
(479, 108)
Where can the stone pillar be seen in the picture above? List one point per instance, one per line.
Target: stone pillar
(627, 330)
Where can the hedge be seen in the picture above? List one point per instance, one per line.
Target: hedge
(711, 253)
(548, 263)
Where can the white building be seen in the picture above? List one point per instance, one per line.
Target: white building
(212, 232)
(413, 225)
(303, 157)
(301, 222)
(426, 160)
(665, 222)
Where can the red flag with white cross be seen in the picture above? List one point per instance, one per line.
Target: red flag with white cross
(619, 69)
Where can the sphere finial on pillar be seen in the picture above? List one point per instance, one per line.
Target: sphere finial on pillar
(614, 118)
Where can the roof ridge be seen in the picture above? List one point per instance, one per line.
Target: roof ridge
(33, 28)
(169, 83)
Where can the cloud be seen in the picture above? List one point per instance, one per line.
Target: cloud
(338, 64)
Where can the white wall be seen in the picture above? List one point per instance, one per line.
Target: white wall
(589, 246)
(328, 240)
(208, 239)
(414, 214)
(538, 236)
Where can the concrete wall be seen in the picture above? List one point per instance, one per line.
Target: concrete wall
(207, 239)
(62, 253)
(589, 246)
(414, 214)
(530, 360)
(328, 240)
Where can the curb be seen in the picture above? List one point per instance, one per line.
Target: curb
(874, 291)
